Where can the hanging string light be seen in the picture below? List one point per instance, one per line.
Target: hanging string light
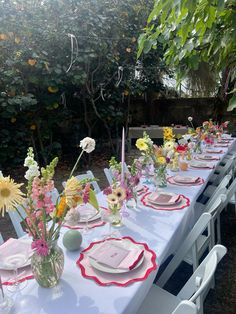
(120, 75)
(74, 53)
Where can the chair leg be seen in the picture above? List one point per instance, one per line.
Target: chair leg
(218, 230)
(195, 257)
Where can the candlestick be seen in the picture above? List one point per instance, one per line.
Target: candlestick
(123, 155)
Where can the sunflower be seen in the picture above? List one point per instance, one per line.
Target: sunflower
(120, 193)
(10, 194)
(141, 144)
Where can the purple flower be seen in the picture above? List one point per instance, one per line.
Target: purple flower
(107, 190)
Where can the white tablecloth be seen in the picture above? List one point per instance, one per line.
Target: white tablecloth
(163, 231)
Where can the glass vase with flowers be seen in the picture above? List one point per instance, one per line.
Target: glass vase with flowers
(44, 213)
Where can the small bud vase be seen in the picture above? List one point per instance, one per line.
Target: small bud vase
(116, 219)
(160, 177)
(47, 270)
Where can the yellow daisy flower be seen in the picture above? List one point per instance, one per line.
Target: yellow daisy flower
(10, 194)
(141, 144)
(161, 160)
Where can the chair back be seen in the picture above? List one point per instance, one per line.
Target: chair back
(1, 239)
(211, 204)
(16, 220)
(231, 190)
(200, 281)
(185, 307)
(187, 244)
(217, 203)
(108, 175)
(226, 169)
(89, 175)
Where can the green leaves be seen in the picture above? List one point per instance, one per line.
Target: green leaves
(232, 103)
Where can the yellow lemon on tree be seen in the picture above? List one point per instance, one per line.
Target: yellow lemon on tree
(53, 89)
(33, 127)
(32, 62)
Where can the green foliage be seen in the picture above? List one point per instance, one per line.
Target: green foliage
(193, 33)
(41, 101)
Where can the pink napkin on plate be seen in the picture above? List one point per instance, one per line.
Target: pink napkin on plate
(216, 151)
(116, 257)
(186, 179)
(163, 198)
(221, 145)
(13, 247)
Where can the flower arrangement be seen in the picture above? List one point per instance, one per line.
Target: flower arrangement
(131, 177)
(44, 217)
(168, 134)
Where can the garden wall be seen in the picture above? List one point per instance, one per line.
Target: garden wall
(177, 110)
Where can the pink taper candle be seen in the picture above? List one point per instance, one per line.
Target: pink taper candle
(123, 155)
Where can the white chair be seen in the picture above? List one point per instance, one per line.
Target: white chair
(189, 246)
(231, 193)
(16, 220)
(221, 171)
(160, 301)
(1, 239)
(109, 173)
(211, 190)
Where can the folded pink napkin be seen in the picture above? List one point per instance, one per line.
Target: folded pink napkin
(163, 198)
(209, 157)
(221, 145)
(215, 151)
(186, 179)
(117, 257)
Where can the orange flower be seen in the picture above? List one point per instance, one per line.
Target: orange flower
(61, 207)
(32, 62)
(3, 37)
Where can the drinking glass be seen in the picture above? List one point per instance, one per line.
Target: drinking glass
(16, 261)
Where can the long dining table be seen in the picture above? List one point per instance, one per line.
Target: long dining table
(163, 231)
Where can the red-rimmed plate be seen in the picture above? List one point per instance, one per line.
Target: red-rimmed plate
(185, 202)
(105, 279)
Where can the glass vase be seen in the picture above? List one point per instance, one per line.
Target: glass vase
(47, 270)
(116, 219)
(160, 177)
(198, 147)
(132, 202)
